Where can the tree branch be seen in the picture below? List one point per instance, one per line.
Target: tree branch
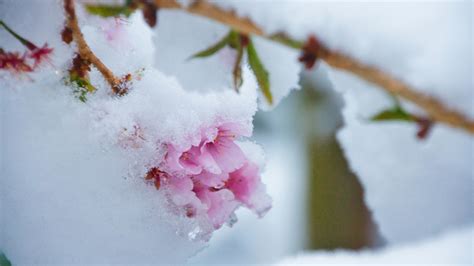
(434, 108)
(84, 50)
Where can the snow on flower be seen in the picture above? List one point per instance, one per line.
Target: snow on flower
(116, 34)
(212, 177)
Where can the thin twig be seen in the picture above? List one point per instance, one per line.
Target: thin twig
(84, 50)
(436, 110)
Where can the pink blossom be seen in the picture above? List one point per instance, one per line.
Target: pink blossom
(181, 193)
(13, 62)
(243, 182)
(40, 54)
(215, 181)
(216, 153)
(211, 176)
(223, 150)
(246, 185)
(183, 161)
(115, 32)
(220, 204)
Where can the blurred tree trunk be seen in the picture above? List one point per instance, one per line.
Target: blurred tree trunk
(337, 214)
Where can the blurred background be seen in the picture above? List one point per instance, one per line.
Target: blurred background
(318, 202)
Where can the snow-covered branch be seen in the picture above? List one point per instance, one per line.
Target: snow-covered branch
(84, 50)
(436, 110)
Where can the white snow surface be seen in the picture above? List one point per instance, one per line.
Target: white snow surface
(414, 188)
(453, 247)
(64, 180)
(180, 35)
(427, 44)
(72, 187)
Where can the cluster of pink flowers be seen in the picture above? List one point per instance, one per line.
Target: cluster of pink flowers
(212, 176)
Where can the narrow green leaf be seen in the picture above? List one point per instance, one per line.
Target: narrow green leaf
(4, 261)
(23, 41)
(396, 113)
(234, 40)
(213, 49)
(109, 10)
(259, 71)
(237, 72)
(286, 40)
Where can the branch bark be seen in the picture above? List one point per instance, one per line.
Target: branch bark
(434, 108)
(84, 50)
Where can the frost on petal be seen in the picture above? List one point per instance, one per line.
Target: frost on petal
(226, 153)
(172, 159)
(234, 130)
(207, 161)
(216, 181)
(186, 162)
(221, 205)
(181, 194)
(246, 185)
(260, 202)
(189, 161)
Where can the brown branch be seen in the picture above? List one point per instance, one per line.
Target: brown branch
(84, 50)
(436, 110)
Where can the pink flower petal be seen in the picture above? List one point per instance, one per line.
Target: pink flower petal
(246, 185)
(212, 180)
(185, 162)
(189, 161)
(221, 205)
(208, 162)
(172, 159)
(226, 154)
(243, 182)
(181, 194)
(40, 54)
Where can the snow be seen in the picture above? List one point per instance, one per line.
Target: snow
(407, 182)
(73, 188)
(453, 247)
(426, 44)
(282, 231)
(180, 35)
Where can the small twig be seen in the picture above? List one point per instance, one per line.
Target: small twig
(436, 110)
(84, 49)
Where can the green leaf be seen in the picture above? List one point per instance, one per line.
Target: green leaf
(396, 113)
(105, 11)
(23, 41)
(286, 40)
(259, 71)
(4, 261)
(237, 72)
(213, 49)
(234, 40)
